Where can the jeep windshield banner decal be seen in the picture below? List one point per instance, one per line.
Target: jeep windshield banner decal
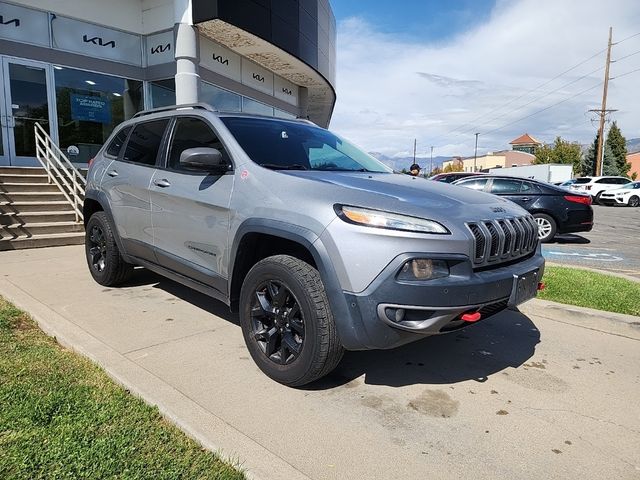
(96, 41)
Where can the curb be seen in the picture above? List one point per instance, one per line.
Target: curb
(595, 270)
(256, 461)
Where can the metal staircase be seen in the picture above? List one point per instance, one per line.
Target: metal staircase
(41, 207)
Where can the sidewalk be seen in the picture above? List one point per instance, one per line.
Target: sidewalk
(428, 409)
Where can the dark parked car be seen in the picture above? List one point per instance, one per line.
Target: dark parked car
(451, 177)
(555, 209)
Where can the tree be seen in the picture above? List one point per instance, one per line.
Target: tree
(618, 147)
(562, 151)
(453, 167)
(588, 164)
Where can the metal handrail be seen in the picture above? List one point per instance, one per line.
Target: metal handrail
(60, 170)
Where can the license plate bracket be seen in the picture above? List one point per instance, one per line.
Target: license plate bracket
(525, 287)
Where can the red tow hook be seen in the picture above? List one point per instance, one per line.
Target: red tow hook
(541, 286)
(471, 317)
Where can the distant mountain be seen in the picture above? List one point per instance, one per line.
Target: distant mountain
(398, 163)
(633, 145)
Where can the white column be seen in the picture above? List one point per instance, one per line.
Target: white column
(186, 54)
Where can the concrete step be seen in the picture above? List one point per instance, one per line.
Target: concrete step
(38, 241)
(22, 171)
(13, 231)
(8, 207)
(28, 187)
(21, 218)
(19, 178)
(31, 197)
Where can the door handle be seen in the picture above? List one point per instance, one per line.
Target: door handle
(525, 199)
(162, 183)
(112, 173)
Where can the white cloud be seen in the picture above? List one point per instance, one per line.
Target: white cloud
(391, 91)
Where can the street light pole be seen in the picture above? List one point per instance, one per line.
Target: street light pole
(431, 162)
(475, 154)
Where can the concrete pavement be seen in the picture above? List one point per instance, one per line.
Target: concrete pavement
(542, 394)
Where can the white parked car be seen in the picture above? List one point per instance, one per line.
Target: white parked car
(627, 195)
(596, 185)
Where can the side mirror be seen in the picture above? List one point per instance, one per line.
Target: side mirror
(204, 158)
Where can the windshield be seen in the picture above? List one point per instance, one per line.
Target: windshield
(632, 185)
(583, 180)
(285, 145)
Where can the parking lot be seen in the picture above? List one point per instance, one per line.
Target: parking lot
(538, 394)
(613, 244)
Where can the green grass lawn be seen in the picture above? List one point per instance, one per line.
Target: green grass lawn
(585, 288)
(61, 417)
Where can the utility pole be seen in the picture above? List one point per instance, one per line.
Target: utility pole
(475, 154)
(431, 161)
(415, 141)
(603, 110)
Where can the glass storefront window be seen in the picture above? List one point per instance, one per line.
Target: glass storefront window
(163, 93)
(220, 99)
(90, 105)
(251, 106)
(282, 114)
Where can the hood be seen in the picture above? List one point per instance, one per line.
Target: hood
(401, 193)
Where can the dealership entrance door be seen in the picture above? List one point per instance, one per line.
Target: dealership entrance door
(26, 97)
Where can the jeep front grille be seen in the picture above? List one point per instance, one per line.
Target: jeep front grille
(502, 240)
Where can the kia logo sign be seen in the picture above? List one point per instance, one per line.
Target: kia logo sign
(220, 59)
(287, 91)
(98, 41)
(15, 21)
(160, 48)
(258, 77)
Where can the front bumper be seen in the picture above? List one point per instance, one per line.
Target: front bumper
(606, 200)
(394, 313)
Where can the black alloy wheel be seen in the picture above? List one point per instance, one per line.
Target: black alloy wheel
(278, 324)
(97, 248)
(106, 265)
(634, 201)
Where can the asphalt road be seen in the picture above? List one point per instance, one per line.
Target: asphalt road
(613, 244)
(539, 394)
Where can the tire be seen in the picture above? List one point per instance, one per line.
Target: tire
(546, 227)
(287, 322)
(103, 257)
(634, 201)
(596, 199)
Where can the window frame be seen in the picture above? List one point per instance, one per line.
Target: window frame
(164, 162)
(161, 148)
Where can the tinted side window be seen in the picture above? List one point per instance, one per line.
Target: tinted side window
(505, 186)
(191, 132)
(475, 184)
(607, 180)
(113, 150)
(144, 142)
(623, 181)
(529, 188)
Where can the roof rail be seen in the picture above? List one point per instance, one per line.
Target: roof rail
(200, 105)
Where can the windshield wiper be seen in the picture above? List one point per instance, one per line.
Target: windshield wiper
(341, 170)
(294, 166)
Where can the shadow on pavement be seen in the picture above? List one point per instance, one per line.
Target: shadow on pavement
(570, 238)
(504, 340)
(142, 276)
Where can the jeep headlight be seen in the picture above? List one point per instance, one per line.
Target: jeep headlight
(388, 220)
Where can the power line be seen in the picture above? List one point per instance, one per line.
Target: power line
(543, 96)
(544, 109)
(625, 74)
(626, 56)
(526, 93)
(625, 39)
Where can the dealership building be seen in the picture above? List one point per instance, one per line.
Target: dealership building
(80, 67)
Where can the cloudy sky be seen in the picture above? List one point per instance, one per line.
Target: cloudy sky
(441, 71)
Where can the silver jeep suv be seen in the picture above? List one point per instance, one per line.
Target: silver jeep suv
(317, 245)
